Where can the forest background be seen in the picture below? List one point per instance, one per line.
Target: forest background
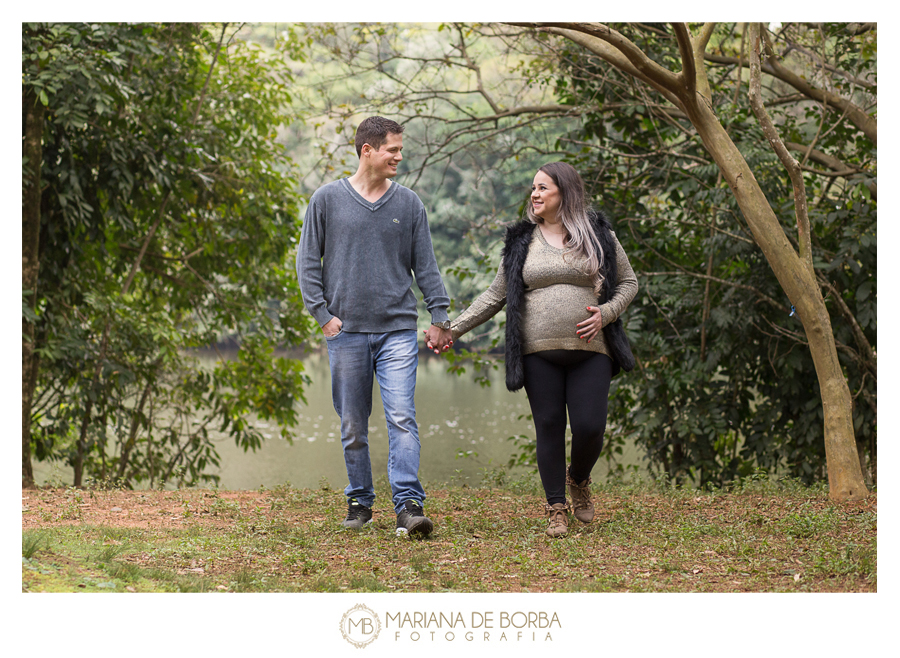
(175, 162)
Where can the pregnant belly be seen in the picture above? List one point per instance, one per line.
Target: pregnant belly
(554, 311)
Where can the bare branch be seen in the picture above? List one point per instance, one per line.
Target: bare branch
(853, 28)
(688, 75)
(637, 156)
(558, 110)
(686, 222)
(477, 69)
(618, 51)
(705, 33)
(666, 316)
(858, 116)
(824, 159)
(780, 331)
(865, 84)
(681, 271)
(865, 347)
(740, 64)
(724, 282)
(792, 166)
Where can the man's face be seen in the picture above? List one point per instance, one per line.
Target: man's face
(384, 161)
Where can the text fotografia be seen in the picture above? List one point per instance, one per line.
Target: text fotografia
(478, 626)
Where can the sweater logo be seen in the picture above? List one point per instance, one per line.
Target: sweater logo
(396, 221)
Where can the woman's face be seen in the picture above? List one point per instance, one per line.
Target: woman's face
(545, 197)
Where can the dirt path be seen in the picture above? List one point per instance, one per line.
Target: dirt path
(130, 509)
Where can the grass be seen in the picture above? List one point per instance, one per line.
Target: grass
(764, 537)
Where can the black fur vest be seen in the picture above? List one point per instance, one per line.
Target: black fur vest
(515, 251)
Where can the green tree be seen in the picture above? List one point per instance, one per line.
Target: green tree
(167, 214)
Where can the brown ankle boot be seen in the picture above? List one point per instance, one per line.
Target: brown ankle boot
(582, 507)
(559, 519)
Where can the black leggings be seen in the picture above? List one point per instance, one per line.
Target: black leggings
(577, 380)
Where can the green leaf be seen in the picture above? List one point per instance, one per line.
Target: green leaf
(862, 293)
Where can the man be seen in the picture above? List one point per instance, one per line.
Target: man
(363, 239)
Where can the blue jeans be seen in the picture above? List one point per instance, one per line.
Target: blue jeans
(391, 357)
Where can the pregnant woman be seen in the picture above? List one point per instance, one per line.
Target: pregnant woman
(565, 280)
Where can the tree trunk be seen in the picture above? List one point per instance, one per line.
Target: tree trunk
(845, 478)
(32, 129)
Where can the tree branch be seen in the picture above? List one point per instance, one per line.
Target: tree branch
(853, 28)
(839, 169)
(859, 117)
(706, 277)
(792, 166)
(477, 69)
(618, 51)
(859, 336)
(559, 110)
(865, 84)
(688, 75)
(706, 33)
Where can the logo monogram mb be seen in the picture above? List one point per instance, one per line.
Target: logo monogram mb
(360, 626)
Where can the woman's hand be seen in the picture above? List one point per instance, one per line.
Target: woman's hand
(592, 326)
(438, 339)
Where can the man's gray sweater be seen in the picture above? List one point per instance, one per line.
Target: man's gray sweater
(357, 259)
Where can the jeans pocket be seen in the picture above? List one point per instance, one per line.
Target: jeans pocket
(337, 335)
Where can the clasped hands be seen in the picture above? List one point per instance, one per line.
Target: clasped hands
(437, 339)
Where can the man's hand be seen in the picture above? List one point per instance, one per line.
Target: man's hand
(332, 327)
(437, 339)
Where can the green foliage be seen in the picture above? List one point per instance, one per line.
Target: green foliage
(167, 222)
(32, 542)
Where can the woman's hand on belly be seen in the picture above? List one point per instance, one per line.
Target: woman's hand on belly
(592, 326)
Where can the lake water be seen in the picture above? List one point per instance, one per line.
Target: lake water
(455, 415)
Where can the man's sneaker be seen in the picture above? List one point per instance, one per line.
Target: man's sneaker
(412, 520)
(358, 515)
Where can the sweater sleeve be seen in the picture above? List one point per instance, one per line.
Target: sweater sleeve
(624, 292)
(309, 263)
(486, 306)
(425, 269)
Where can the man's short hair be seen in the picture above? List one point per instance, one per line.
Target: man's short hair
(374, 132)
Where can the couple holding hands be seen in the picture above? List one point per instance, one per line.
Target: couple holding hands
(564, 279)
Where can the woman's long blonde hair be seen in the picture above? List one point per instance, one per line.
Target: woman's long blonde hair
(580, 240)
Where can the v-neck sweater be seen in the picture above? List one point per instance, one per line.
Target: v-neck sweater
(357, 259)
